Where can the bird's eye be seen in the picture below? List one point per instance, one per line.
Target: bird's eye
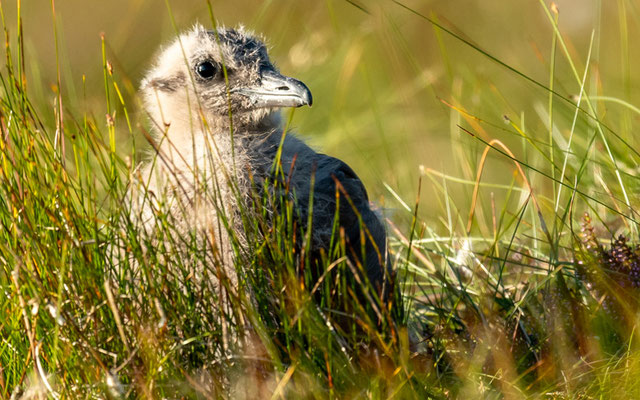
(206, 69)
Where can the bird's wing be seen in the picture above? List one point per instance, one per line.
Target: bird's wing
(339, 191)
(330, 170)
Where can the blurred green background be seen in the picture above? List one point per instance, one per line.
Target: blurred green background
(379, 75)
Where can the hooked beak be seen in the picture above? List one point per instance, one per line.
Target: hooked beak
(275, 90)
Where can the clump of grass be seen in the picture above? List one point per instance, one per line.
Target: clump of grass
(111, 309)
(499, 301)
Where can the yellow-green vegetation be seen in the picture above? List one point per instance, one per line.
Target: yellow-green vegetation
(497, 136)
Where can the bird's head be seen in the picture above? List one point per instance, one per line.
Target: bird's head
(188, 81)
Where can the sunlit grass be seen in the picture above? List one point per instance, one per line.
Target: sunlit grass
(509, 290)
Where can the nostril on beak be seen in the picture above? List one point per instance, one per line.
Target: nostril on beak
(283, 88)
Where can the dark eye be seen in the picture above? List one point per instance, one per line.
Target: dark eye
(206, 69)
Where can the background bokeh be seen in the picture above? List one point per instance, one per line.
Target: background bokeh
(379, 74)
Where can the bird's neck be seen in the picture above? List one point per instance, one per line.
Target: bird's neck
(265, 121)
(220, 141)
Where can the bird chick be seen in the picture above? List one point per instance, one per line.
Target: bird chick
(213, 98)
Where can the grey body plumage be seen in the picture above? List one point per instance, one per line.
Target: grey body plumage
(203, 171)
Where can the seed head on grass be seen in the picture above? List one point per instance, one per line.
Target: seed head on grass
(612, 275)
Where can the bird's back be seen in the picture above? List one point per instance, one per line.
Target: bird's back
(331, 191)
